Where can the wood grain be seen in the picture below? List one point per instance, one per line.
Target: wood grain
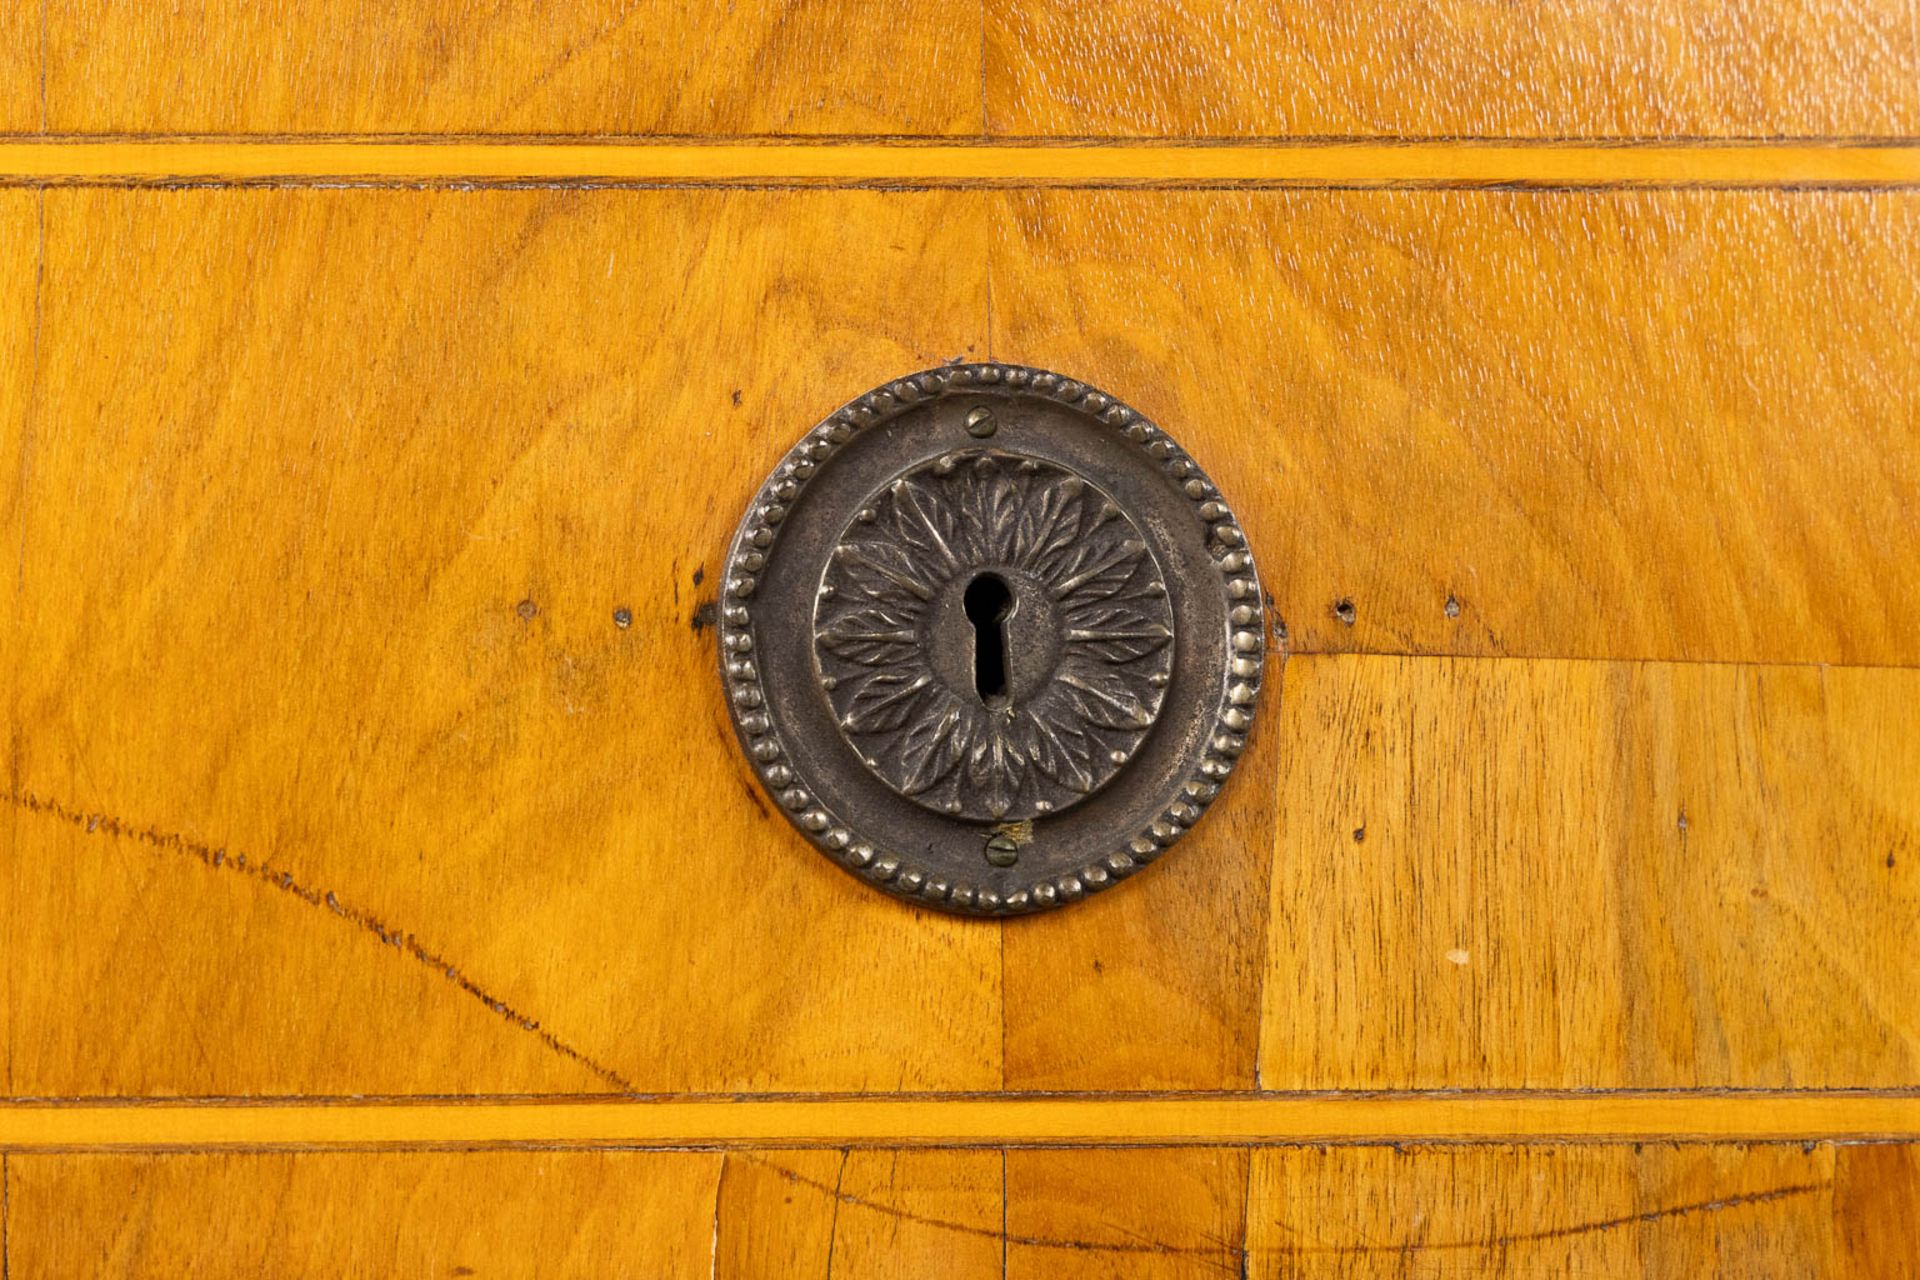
(1623, 425)
(1452, 68)
(1659, 1209)
(1504, 874)
(356, 662)
(469, 1214)
(1876, 1200)
(337, 768)
(19, 265)
(392, 532)
(1154, 68)
(907, 1214)
(875, 1213)
(778, 1212)
(19, 68)
(274, 161)
(353, 66)
(1476, 1210)
(1144, 1214)
(740, 1122)
(1158, 989)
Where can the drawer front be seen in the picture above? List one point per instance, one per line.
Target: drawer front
(378, 394)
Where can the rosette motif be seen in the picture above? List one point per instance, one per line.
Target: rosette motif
(1088, 633)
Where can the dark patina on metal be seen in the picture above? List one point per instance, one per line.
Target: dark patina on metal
(991, 639)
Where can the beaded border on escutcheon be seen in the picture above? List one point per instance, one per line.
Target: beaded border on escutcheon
(754, 540)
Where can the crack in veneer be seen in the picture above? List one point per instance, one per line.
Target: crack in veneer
(220, 859)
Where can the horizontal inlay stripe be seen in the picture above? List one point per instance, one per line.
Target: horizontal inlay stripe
(967, 1121)
(1420, 164)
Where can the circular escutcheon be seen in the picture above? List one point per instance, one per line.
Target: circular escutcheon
(991, 639)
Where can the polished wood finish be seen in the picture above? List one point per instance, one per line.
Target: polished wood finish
(471, 1213)
(931, 67)
(1658, 1209)
(1452, 68)
(19, 69)
(196, 549)
(1610, 425)
(1584, 875)
(368, 792)
(1024, 1118)
(653, 67)
(442, 162)
(228, 576)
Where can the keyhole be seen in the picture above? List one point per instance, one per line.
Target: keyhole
(988, 602)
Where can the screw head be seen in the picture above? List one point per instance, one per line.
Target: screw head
(980, 423)
(1001, 850)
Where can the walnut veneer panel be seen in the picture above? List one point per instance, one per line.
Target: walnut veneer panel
(655, 67)
(1577, 874)
(369, 737)
(1657, 1209)
(1599, 424)
(1453, 68)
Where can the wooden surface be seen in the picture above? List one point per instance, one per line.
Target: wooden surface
(1445, 822)
(498, 769)
(1453, 68)
(1659, 1209)
(653, 67)
(1013, 1118)
(1613, 425)
(184, 532)
(368, 791)
(969, 164)
(19, 68)
(1446, 68)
